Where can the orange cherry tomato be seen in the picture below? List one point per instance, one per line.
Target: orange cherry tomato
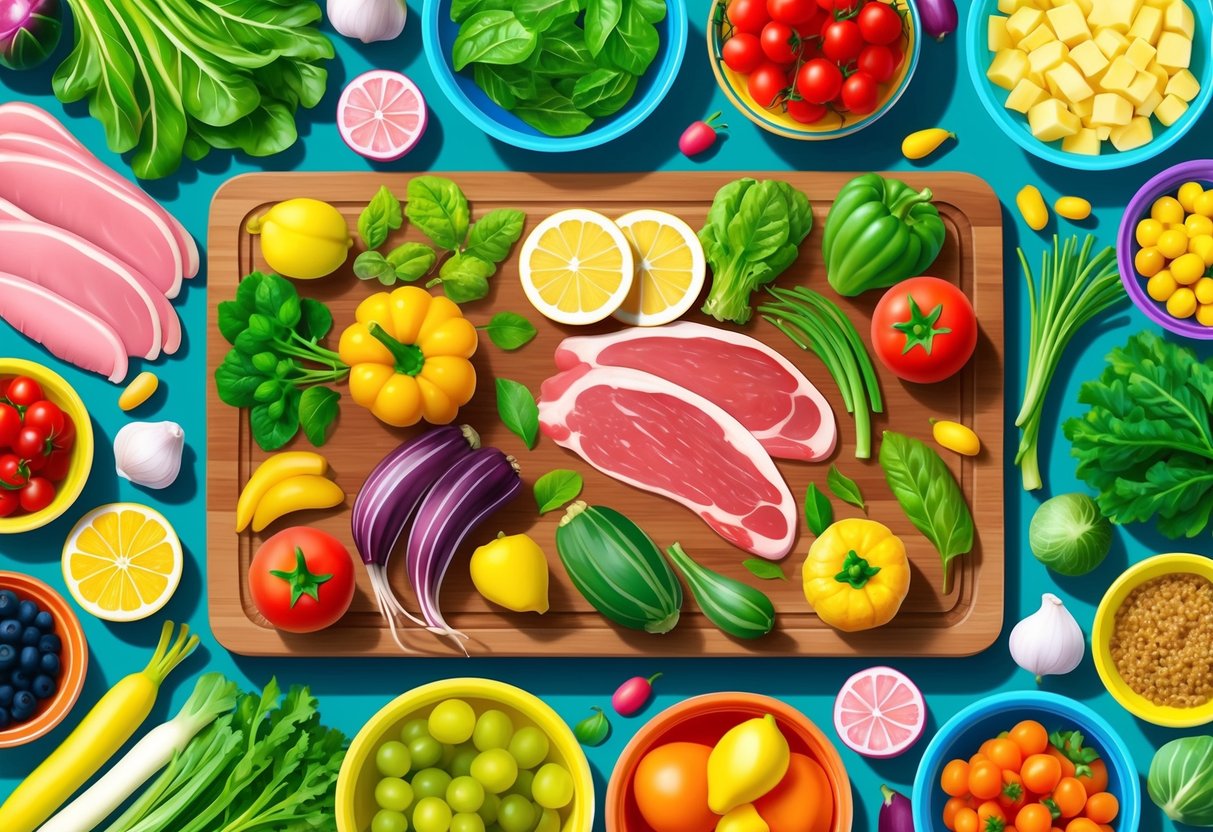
(1067, 767)
(976, 758)
(985, 780)
(1034, 818)
(984, 749)
(966, 821)
(951, 808)
(1070, 797)
(671, 787)
(1013, 792)
(1102, 807)
(1005, 753)
(1082, 825)
(1097, 780)
(990, 809)
(802, 802)
(1040, 773)
(1031, 737)
(955, 778)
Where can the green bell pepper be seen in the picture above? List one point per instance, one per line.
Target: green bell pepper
(879, 232)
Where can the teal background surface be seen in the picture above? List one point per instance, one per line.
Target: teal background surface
(351, 690)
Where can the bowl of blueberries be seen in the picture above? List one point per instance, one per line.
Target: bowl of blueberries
(43, 659)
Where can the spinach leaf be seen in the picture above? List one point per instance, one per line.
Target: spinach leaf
(518, 411)
(492, 83)
(494, 234)
(844, 488)
(552, 113)
(275, 423)
(818, 513)
(509, 330)
(461, 10)
(601, 18)
(764, 569)
(603, 92)
(439, 209)
(633, 43)
(237, 379)
(539, 15)
(317, 319)
(492, 37)
(318, 411)
(464, 278)
(929, 496)
(562, 53)
(379, 218)
(555, 488)
(653, 11)
(411, 261)
(371, 265)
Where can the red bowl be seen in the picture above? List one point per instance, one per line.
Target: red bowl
(705, 719)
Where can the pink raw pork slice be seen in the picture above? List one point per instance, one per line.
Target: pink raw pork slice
(659, 437)
(756, 385)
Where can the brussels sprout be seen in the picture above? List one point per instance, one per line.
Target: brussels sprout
(1069, 535)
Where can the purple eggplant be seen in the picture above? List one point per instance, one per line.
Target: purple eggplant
(895, 813)
(939, 17)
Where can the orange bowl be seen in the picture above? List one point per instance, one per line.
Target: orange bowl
(74, 658)
(705, 719)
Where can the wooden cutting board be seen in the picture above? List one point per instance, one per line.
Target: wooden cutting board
(963, 622)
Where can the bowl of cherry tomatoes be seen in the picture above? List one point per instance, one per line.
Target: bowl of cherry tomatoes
(46, 445)
(814, 69)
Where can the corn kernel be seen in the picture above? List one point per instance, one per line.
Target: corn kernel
(1167, 210)
(138, 391)
(1149, 261)
(1187, 268)
(1073, 208)
(1148, 232)
(1173, 243)
(1161, 286)
(1032, 206)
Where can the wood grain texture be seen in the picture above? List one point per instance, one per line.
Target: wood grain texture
(963, 622)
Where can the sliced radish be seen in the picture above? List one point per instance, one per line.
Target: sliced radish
(879, 712)
(382, 115)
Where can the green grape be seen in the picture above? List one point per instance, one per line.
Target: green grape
(529, 746)
(413, 729)
(488, 809)
(452, 721)
(460, 763)
(431, 814)
(494, 729)
(465, 794)
(549, 821)
(394, 794)
(393, 759)
(494, 828)
(495, 769)
(426, 751)
(431, 782)
(517, 814)
(468, 822)
(523, 783)
(553, 786)
(386, 820)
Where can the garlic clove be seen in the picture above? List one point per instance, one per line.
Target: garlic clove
(1048, 642)
(368, 20)
(149, 453)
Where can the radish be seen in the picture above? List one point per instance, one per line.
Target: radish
(700, 136)
(633, 694)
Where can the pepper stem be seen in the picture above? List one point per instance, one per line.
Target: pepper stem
(302, 580)
(408, 357)
(888, 794)
(654, 678)
(920, 329)
(856, 571)
(901, 209)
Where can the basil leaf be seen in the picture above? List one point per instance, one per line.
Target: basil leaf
(439, 209)
(633, 44)
(289, 312)
(764, 569)
(653, 11)
(275, 424)
(464, 278)
(371, 265)
(411, 261)
(929, 496)
(380, 217)
(494, 234)
(518, 411)
(603, 92)
(818, 513)
(317, 320)
(601, 18)
(552, 113)
(555, 488)
(539, 15)
(509, 330)
(844, 488)
(463, 9)
(317, 411)
(593, 730)
(492, 37)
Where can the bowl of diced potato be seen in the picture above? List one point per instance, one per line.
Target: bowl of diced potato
(1092, 84)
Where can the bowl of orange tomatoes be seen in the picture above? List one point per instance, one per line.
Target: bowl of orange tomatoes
(1027, 760)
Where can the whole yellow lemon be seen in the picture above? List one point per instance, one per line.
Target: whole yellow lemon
(302, 238)
(512, 572)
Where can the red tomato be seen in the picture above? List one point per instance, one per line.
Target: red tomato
(811, 28)
(10, 425)
(31, 444)
(780, 42)
(877, 61)
(924, 329)
(879, 23)
(767, 83)
(843, 6)
(841, 41)
(45, 415)
(37, 494)
(66, 437)
(742, 53)
(23, 391)
(748, 15)
(819, 81)
(57, 465)
(302, 580)
(13, 472)
(10, 501)
(860, 93)
(805, 112)
(792, 12)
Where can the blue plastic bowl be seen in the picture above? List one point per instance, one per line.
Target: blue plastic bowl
(439, 33)
(964, 733)
(1015, 125)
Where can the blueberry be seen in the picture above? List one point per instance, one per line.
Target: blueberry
(6, 695)
(49, 664)
(30, 636)
(27, 611)
(44, 687)
(50, 643)
(8, 657)
(45, 622)
(21, 680)
(30, 659)
(10, 631)
(5, 719)
(8, 603)
(24, 705)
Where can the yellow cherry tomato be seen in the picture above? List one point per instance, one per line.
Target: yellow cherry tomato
(1161, 286)
(1188, 269)
(1167, 210)
(1196, 225)
(1204, 204)
(1032, 206)
(1149, 261)
(956, 437)
(1204, 315)
(1204, 290)
(1202, 246)
(1073, 208)
(1148, 232)
(1189, 192)
(1173, 243)
(1182, 304)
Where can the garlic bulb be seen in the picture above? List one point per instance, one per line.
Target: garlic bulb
(368, 20)
(1048, 642)
(149, 453)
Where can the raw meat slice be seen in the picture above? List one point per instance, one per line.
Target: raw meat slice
(78, 200)
(66, 330)
(657, 436)
(752, 382)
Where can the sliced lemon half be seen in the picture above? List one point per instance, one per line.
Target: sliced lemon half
(670, 268)
(122, 562)
(576, 267)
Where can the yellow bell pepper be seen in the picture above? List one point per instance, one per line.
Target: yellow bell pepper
(408, 353)
(856, 575)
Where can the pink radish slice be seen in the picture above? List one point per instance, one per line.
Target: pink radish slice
(879, 712)
(381, 115)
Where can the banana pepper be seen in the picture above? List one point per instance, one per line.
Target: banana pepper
(856, 575)
(408, 353)
(879, 232)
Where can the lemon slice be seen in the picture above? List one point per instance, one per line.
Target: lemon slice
(670, 268)
(576, 267)
(122, 562)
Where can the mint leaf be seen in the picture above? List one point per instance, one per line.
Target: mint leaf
(555, 488)
(492, 237)
(371, 265)
(464, 278)
(379, 218)
(509, 330)
(818, 513)
(518, 411)
(411, 261)
(317, 411)
(844, 488)
(764, 569)
(439, 209)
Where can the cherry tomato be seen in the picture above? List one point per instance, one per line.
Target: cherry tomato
(811, 28)
(45, 415)
(37, 494)
(955, 778)
(767, 83)
(1004, 753)
(1035, 817)
(792, 12)
(1030, 736)
(30, 443)
(748, 15)
(966, 821)
(13, 472)
(1102, 807)
(1070, 797)
(57, 465)
(951, 809)
(302, 579)
(924, 330)
(985, 780)
(1040, 773)
(1097, 780)
(10, 501)
(805, 112)
(780, 42)
(23, 391)
(1068, 769)
(742, 53)
(1013, 794)
(877, 61)
(841, 41)
(66, 437)
(879, 23)
(989, 810)
(10, 425)
(842, 6)
(1082, 825)
(819, 81)
(859, 93)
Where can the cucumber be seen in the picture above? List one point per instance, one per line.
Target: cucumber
(736, 608)
(618, 568)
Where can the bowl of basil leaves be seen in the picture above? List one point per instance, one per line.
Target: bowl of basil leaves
(555, 75)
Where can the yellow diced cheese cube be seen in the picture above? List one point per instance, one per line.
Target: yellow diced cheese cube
(1141, 54)
(1170, 110)
(1141, 88)
(1084, 5)
(1021, 24)
(1087, 57)
(1038, 78)
(1037, 38)
(997, 36)
(1147, 25)
(1178, 18)
(1111, 110)
(1158, 4)
(1070, 83)
(1119, 75)
(1136, 133)
(1025, 96)
(1048, 56)
(1183, 85)
(1069, 24)
(1174, 51)
(1160, 73)
(1114, 14)
(1147, 107)
(1084, 109)
(1008, 68)
(1111, 43)
(1012, 6)
(1051, 120)
(1085, 142)
(1103, 131)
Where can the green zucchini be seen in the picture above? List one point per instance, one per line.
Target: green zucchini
(618, 568)
(736, 608)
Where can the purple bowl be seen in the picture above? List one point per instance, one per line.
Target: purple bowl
(1167, 182)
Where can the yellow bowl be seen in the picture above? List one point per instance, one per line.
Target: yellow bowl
(1105, 622)
(61, 393)
(356, 782)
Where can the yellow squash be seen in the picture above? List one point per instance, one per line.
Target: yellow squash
(856, 575)
(275, 469)
(512, 572)
(747, 762)
(300, 493)
(408, 354)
